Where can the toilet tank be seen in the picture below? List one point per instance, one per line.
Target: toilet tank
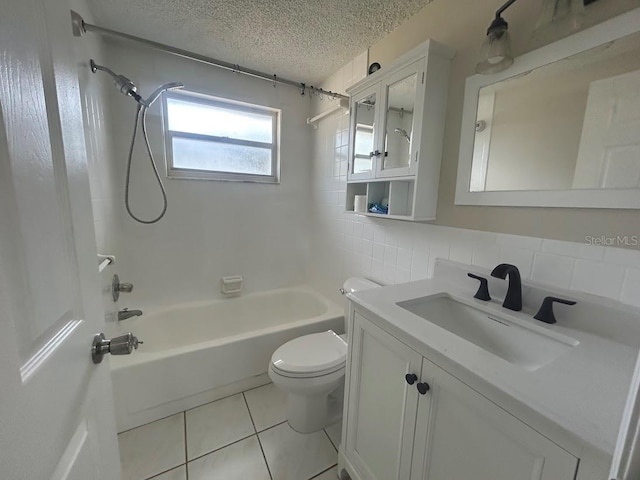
(354, 284)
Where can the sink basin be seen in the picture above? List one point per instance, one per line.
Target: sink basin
(517, 343)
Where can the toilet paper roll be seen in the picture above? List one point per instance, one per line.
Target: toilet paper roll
(360, 203)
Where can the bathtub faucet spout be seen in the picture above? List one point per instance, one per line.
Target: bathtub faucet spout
(126, 313)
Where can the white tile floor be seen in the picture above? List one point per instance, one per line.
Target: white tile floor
(244, 436)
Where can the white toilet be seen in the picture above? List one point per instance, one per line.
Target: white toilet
(310, 370)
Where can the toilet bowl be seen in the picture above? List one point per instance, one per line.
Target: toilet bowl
(310, 370)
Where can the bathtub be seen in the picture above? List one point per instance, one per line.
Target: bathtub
(198, 352)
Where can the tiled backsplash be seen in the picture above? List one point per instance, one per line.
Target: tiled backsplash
(391, 251)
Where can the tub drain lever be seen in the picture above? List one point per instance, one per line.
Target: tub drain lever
(120, 345)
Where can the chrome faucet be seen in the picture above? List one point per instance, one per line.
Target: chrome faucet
(126, 313)
(513, 300)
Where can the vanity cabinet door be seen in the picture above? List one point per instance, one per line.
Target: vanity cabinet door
(382, 405)
(462, 435)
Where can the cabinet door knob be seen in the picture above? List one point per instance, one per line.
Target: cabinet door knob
(423, 388)
(411, 378)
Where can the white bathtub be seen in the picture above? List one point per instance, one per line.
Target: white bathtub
(199, 352)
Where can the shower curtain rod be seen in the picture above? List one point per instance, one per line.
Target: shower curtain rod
(80, 27)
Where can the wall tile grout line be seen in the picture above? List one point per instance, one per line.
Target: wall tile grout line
(264, 457)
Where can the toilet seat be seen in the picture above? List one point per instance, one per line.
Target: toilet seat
(312, 355)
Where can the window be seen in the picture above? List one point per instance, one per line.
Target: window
(218, 139)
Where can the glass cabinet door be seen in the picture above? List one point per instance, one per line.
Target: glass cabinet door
(364, 147)
(400, 139)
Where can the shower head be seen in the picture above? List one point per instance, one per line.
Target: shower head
(403, 132)
(122, 83)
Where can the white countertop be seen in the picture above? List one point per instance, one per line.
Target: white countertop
(583, 392)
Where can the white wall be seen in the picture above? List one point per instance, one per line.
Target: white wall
(391, 251)
(94, 93)
(211, 228)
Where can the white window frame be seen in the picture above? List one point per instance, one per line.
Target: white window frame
(196, 174)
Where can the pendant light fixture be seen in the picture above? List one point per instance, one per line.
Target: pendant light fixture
(495, 55)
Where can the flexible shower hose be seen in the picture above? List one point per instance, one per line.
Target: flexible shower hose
(142, 111)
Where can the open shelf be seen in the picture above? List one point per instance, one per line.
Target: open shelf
(397, 194)
(354, 189)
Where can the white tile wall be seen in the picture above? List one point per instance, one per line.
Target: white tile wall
(390, 251)
(211, 229)
(105, 190)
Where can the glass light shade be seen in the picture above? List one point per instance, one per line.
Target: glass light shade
(495, 55)
(559, 17)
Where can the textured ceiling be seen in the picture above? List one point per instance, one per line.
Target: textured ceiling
(301, 40)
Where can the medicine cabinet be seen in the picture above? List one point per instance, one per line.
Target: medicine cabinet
(396, 134)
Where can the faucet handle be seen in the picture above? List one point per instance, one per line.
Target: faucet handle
(545, 313)
(483, 289)
(124, 344)
(125, 287)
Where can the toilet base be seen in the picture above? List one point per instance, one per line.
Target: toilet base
(309, 414)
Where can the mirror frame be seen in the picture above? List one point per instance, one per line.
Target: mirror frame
(600, 34)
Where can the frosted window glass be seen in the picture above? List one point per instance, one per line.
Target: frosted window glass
(220, 157)
(203, 119)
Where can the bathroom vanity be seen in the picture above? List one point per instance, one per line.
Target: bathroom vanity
(442, 386)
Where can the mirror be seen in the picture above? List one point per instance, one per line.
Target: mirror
(364, 145)
(399, 131)
(561, 127)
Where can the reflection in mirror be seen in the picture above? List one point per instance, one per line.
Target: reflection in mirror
(572, 124)
(399, 129)
(364, 140)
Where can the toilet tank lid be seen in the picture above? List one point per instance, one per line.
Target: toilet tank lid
(355, 284)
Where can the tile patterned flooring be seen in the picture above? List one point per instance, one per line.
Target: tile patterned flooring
(244, 436)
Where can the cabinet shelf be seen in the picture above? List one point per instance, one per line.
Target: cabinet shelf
(398, 195)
